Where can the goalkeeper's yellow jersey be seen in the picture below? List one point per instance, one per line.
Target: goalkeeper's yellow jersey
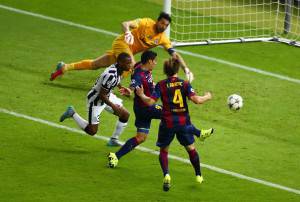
(145, 36)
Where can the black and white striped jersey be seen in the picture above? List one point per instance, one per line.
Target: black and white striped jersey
(107, 80)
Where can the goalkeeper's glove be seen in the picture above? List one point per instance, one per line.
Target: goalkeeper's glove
(189, 75)
(129, 39)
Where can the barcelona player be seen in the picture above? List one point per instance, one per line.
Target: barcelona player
(142, 76)
(139, 35)
(175, 119)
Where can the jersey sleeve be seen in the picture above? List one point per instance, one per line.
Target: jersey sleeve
(139, 22)
(135, 23)
(107, 81)
(156, 93)
(189, 89)
(165, 42)
(135, 81)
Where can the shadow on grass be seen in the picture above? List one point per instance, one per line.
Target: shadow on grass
(59, 150)
(65, 86)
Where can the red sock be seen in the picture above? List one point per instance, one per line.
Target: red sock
(195, 160)
(163, 159)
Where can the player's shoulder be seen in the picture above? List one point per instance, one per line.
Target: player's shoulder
(111, 70)
(137, 65)
(146, 21)
(137, 68)
(162, 82)
(185, 83)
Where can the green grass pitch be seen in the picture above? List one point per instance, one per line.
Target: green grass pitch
(39, 162)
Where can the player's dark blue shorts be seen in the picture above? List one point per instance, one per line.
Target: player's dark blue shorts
(166, 136)
(144, 115)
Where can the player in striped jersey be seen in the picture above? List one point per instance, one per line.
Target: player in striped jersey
(175, 119)
(100, 97)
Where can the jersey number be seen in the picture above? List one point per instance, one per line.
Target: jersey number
(177, 99)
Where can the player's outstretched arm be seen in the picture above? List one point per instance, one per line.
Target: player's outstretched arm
(126, 27)
(124, 90)
(140, 92)
(189, 75)
(201, 99)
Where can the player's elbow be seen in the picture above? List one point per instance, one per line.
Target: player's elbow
(150, 102)
(103, 97)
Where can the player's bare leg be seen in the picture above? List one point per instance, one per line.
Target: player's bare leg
(90, 129)
(100, 62)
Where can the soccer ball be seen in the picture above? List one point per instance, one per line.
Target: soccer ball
(235, 102)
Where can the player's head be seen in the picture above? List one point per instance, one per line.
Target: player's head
(163, 21)
(149, 58)
(171, 67)
(124, 61)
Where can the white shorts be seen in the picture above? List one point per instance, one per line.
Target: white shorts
(95, 109)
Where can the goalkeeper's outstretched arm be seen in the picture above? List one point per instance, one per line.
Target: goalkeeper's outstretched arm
(126, 27)
(187, 71)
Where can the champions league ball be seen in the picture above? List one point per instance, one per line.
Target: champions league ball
(235, 102)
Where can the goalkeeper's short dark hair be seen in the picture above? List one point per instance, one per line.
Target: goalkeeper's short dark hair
(171, 67)
(165, 16)
(148, 55)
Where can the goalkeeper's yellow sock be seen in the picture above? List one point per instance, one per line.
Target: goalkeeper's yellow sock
(81, 65)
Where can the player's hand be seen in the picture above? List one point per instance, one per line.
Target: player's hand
(208, 95)
(129, 39)
(139, 91)
(189, 75)
(125, 91)
(175, 56)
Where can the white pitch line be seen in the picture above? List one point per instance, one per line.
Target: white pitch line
(151, 151)
(102, 31)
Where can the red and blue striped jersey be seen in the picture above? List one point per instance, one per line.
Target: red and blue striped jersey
(174, 92)
(140, 78)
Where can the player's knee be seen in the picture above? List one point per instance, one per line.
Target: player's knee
(190, 147)
(141, 138)
(95, 64)
(164, 149)
(124, 116)
(103, 61)
(91, 130)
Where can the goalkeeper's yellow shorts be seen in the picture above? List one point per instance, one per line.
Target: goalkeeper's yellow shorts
(118, 46)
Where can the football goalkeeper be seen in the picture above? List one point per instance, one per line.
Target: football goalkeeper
(139, 35)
